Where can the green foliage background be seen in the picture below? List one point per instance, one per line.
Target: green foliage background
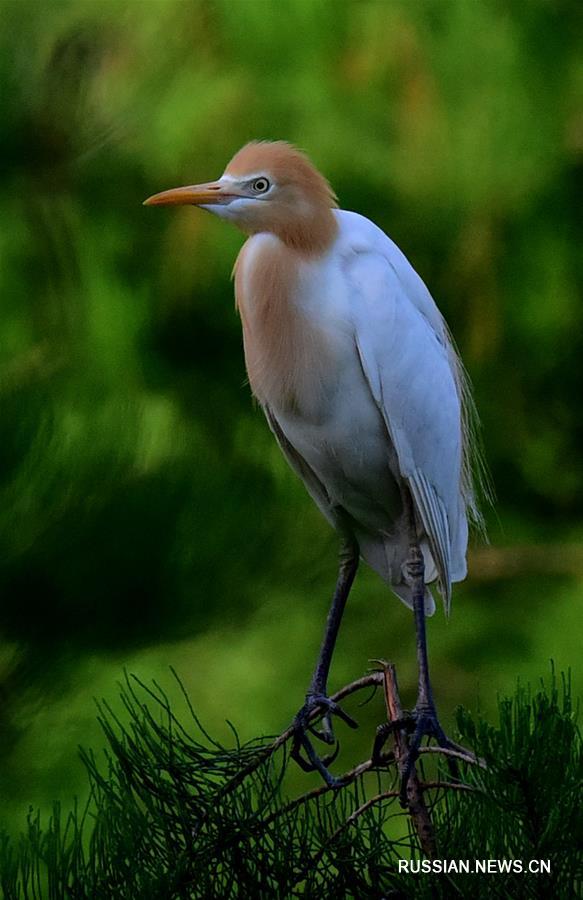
(146, 517)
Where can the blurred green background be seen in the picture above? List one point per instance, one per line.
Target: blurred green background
(146, 515)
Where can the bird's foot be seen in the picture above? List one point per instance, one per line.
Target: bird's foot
(315, 705)
(420, 723)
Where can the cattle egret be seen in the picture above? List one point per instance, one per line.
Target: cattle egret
(355, 370)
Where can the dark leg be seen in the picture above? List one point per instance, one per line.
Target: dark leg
(425, 718)
(416, 573)
(316, 699)
(346, 574)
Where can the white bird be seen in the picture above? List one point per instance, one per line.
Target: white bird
(355, 370)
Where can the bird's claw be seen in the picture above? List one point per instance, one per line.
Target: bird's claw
(384, 731)
(317, 704)
(420, 723)
(426, 724)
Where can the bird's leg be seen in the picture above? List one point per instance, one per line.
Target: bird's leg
(415, 569)
(416, 572)
(425, 721)
(316, 697)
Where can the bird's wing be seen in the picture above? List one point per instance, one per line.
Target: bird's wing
(406, 360)
(305, 472)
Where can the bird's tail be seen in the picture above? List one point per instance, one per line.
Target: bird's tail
(388, 556)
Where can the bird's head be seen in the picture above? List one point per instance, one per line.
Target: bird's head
(267, 187)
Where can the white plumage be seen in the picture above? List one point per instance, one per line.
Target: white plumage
(390, 406)
(351, 361)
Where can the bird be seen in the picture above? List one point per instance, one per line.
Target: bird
(356, 372)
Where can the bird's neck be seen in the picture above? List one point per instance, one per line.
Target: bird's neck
(285, 354)
(308, 229)
(310, 235)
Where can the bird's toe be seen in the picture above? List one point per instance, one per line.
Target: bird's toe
(303, 752)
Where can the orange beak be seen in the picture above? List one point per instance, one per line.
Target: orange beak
(193, 195)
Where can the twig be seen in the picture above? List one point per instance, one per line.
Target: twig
(384, 795)
(415, 802)
(450, 785)
(371, 678)
(468, 757)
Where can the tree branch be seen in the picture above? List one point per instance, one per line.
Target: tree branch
(415, 802)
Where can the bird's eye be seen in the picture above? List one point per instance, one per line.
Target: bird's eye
(260, 185)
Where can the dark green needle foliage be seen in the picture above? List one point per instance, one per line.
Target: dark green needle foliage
(175, 814)
(146, 514)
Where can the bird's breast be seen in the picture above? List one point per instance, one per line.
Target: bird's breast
(294, 331)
